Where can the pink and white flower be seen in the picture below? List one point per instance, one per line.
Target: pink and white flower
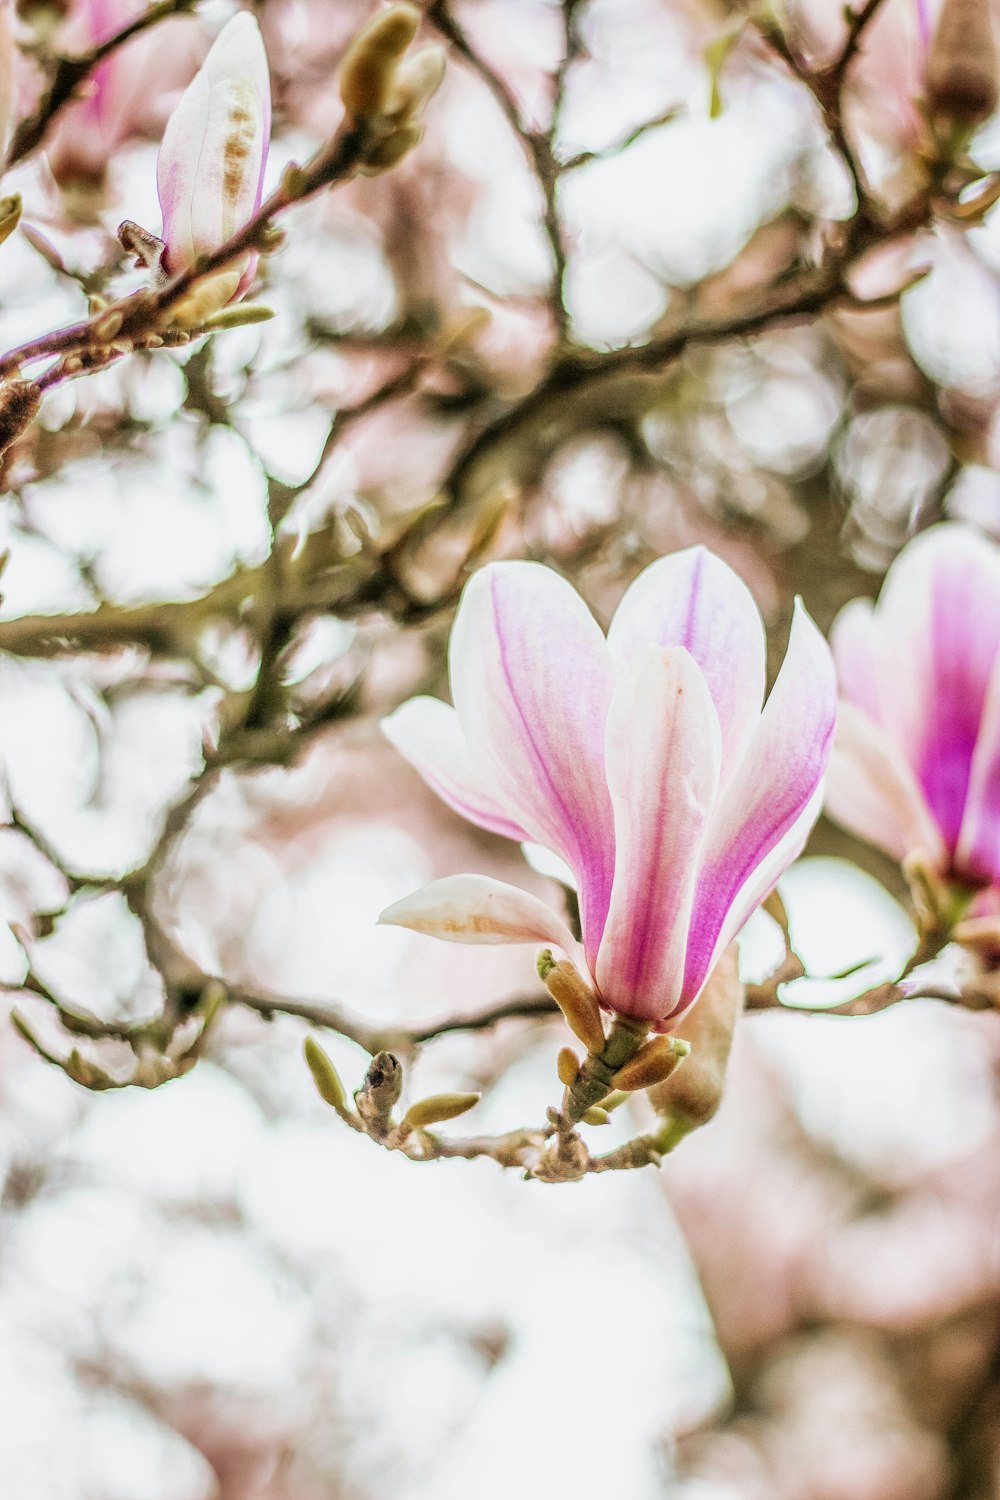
(916, 765)
(210, 170)
(644, 760)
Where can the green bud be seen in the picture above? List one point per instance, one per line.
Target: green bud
(595, 1115)
(368, 71)
(325, 1075)
(654, 1062)
(437, 1107)
(240, 316)
(575, 999)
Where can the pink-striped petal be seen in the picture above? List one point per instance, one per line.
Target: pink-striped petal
(476, 909)
(769, 790)
(855, 643)
(426, 732)
(693, 599)
(210, 170)
(531, 678)
(977, 854)
(940, 614)
(871, 791)
(664, 750)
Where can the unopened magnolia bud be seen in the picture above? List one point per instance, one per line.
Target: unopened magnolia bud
(574, 998)
(692, 1095)
(19, 403)
(241, 315)
(595, 1115)
(325, 1075)
(654, 1061)
(962, 80)
(368, 71)
(437, 1107)
(567, 1066)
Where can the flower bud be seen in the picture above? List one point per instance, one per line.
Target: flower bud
(654, 1062)
(595, 1115)
(567, 1066)
(437, 1107)
(210, 170)
(691, 1097)
(962, 65)
(368, 71)
(325, 1075)
(574, 998)
(417, 80)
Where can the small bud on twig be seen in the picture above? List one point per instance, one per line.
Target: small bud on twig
(567, 1067)
(574, 998)
(435, 1108)
(325, 1075)
(654, 1062)
(368, 70)
(379, 1094)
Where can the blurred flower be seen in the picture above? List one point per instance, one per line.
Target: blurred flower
(916, 765)
(8, 75)
(125, 95)
(645, 761)
(210, 171)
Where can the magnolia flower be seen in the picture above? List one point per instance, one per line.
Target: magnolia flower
(644, 760)
(916, 766)
(210, 170)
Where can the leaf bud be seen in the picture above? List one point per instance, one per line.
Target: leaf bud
(575, 999)
(654, 1062)
(325, 1075)
(390, 150)
(595, 1115)
(437, 1107)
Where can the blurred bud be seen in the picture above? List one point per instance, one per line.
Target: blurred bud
(387, 91)
(567, 1066)
(690, 1097)
(962, 66)
(574, 998)
(368, 71)
(654, 1062)
(19, 403)
(10, 215)
(210, 170)
(325, 1075)
(437, 1107)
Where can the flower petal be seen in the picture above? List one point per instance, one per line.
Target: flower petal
(693, 599)
(664, 749)
(476, 909)
(531, 678)
(426, 732)
(210, 170)
(871, 791)
(855, 643)
(978, 850)
(768, 791)
(940, 613)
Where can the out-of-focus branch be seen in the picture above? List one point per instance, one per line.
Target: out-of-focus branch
(68, 73)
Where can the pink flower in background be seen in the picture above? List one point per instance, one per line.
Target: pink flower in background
(210, 170)
(126, 95)
(916, 766)
(644, 760)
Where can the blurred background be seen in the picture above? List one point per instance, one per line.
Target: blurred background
(210, 1289)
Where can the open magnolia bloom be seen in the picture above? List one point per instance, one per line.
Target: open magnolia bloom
(644, 760)
(210, 170)
(916, 765)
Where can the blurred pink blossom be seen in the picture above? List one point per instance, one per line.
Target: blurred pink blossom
(210, 171)
(916, 765)
(127, 94)
(644, 760)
